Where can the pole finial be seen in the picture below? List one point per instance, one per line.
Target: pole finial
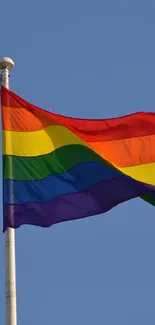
(6, 63)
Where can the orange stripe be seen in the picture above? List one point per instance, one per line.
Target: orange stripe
(24, 120)
(127, 152)
(90, 130)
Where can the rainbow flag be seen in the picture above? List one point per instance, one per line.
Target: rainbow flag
(58, 168)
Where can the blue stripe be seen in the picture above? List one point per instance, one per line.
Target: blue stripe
(80, 178)
(96, 200)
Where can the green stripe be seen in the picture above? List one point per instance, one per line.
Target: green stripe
(60, 160)
(148, 198)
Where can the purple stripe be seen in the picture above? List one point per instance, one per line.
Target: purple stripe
(99, 199)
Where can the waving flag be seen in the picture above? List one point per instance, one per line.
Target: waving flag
(57, 168)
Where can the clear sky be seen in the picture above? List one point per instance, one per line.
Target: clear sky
(85, 58)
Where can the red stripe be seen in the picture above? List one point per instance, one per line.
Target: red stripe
(134, 125)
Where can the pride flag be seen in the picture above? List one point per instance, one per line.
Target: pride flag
(57, 168)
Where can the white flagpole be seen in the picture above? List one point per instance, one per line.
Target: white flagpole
(7, 64)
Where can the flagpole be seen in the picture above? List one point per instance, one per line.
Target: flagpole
(7, 64)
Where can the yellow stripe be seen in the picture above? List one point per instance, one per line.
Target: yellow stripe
(143, 173)
(28, 144)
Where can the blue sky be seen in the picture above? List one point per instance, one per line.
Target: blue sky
(85, 58)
